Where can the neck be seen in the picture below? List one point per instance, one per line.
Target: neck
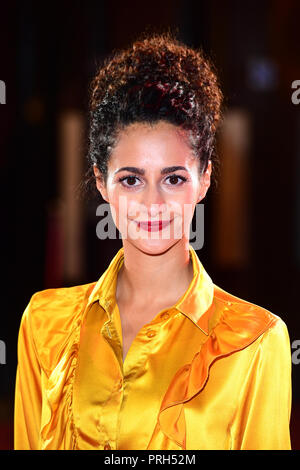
(147, 279)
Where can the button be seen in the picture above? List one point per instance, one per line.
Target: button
(165, 316)
(107, 446)
(151, 333)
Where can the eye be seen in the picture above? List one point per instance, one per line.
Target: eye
(130, 181)
(174, 178)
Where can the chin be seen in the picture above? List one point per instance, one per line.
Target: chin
(155, 243)
(153, 247)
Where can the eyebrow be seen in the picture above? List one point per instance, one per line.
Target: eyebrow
(141, 171)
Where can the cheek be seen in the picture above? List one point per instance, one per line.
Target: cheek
(122, 208)
(180, 199)
(114, 203)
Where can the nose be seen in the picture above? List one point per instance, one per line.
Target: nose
(153, 202)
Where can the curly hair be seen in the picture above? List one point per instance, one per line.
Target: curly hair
(156, 78)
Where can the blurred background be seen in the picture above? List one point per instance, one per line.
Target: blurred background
(48, 54)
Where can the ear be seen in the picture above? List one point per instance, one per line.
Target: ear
(100, 182)
(205, 181)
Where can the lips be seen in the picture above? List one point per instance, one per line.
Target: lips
(153, 226)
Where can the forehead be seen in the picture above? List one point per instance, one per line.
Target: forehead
(153, 142)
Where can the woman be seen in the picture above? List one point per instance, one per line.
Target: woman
(153, 355)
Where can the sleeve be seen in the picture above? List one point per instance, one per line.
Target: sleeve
(265, 403)
(28, 396)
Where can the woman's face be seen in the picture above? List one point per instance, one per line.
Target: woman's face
(153, 185)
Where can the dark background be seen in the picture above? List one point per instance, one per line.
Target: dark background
(48, 54)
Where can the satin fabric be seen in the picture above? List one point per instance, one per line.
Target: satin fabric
(212, 371)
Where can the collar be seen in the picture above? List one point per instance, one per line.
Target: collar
(198, 298)
(194, 303)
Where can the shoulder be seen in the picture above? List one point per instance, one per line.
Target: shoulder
(52, 315)
(248, 319)
(59, 304)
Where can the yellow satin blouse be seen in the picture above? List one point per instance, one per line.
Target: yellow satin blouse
(211, 372)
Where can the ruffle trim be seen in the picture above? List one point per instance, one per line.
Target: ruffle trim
(237, 328)
(58, 401)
